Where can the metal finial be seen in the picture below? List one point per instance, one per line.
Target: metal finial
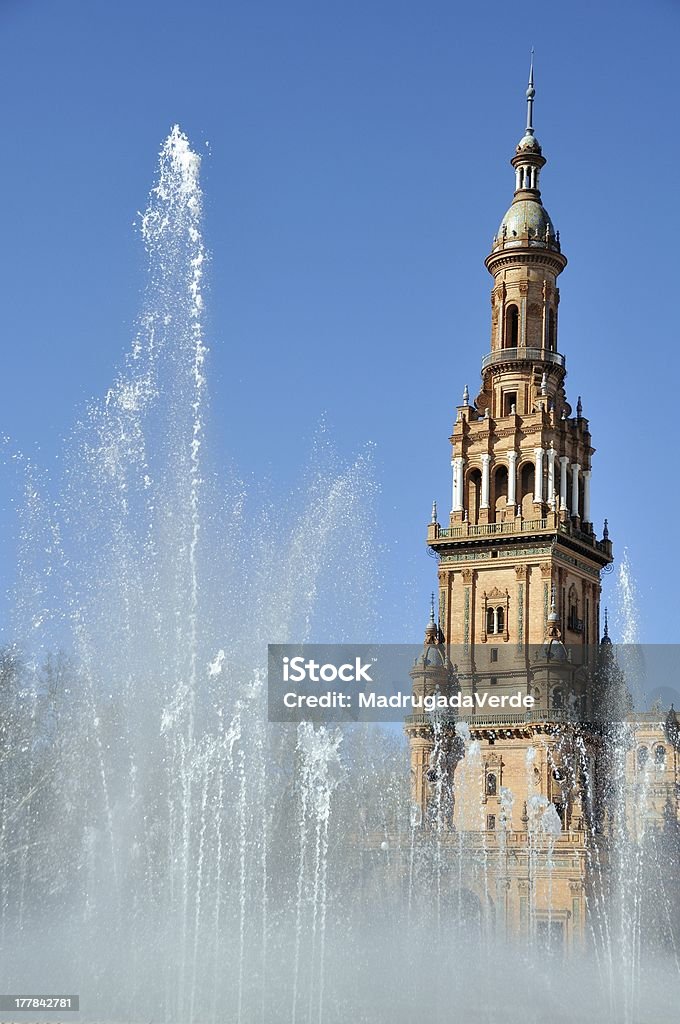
(466, 395)
(434, 511)
(531, 92)
(605, 532)
(553, 598)
(579, 408)
(606, 622)
(432, 621)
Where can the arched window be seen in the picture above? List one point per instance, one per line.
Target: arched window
(500, 490)
(526, 489)
(660, 755)
(474, 494)
(491, 784)
(511, 327)
(642, 756)
(490, 624)
(552, 340)
(495, 620)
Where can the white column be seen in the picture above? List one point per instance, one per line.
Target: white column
(586, 496)
(486, 458)
(512, 477)
(574, 488)
(564, 462)
(551, 475)
(457, 464)
(538, 477)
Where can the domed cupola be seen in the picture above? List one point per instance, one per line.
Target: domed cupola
(432, 671)
(527, 223)
(433, 653)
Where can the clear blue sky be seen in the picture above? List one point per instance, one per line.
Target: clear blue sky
(357, 169)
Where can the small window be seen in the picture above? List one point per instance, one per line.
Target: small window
(491, 784)
(500, 620)
(494, 654)
(491, 822)
(509, 403)
(660, 755)
(642, 757)
(493, 681)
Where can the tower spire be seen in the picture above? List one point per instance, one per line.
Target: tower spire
(531, 92)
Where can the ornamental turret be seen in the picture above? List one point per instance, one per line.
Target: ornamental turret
(525, 262)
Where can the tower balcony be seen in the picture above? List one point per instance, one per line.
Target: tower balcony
(520, 355)
(550, 524)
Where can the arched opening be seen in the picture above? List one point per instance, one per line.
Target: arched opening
(557, 699)
(500, 492)
(491, 784)
(490, 624)
(552, 340)
(511, 327)
(660, 756)
(474, 495)
(495, 620)
(642, 757)
(526, 489)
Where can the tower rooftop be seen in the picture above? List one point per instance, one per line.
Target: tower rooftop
(527, 222)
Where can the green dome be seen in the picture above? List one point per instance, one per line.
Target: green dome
(526, 215)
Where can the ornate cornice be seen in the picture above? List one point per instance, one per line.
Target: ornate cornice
(504, 258)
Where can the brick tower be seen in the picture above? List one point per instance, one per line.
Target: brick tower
(519, 590)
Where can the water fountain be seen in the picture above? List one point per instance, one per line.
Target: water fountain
(164, 851)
